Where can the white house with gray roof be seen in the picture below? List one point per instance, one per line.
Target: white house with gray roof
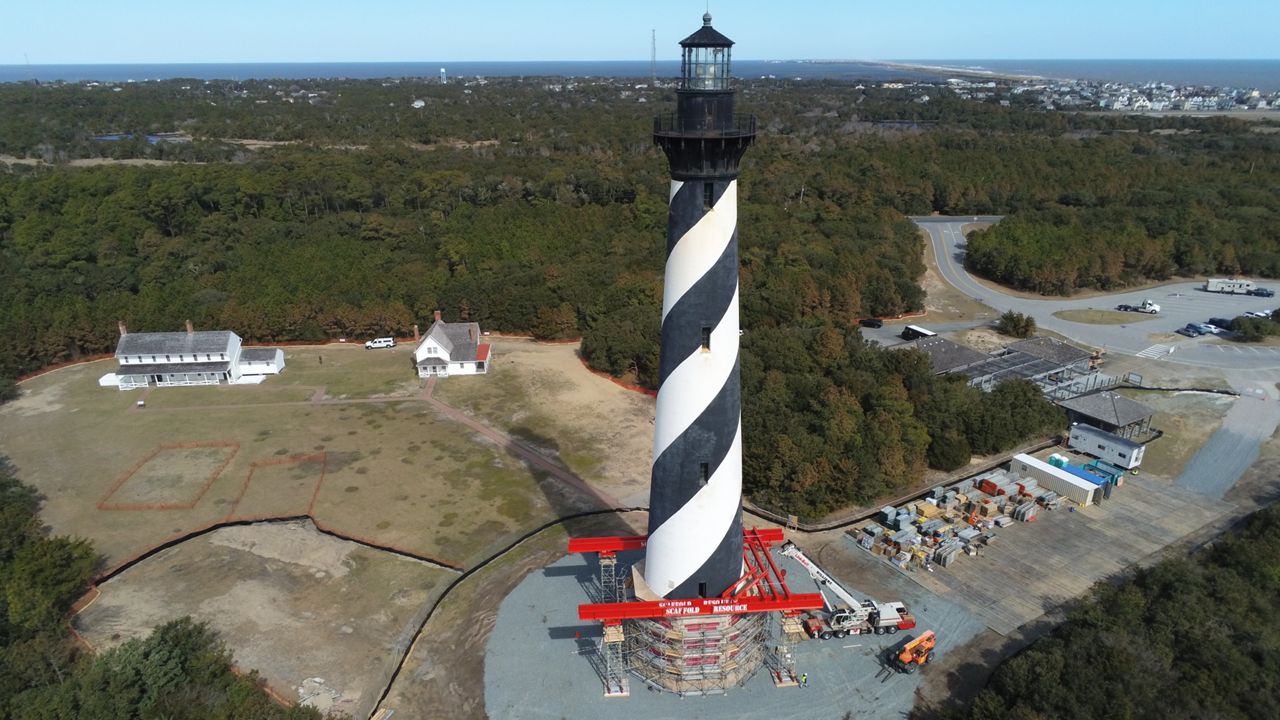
(171, 359)
(452, 349)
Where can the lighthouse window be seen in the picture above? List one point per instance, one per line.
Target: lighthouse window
(708, 195)
(704, 473)
(706, 338)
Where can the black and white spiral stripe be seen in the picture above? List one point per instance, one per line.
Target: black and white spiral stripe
(695, 527)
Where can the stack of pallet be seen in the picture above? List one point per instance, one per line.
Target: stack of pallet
(947, 552)
(1026, 512)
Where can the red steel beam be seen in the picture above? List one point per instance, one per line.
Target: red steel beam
(607, 544)
(697, 606)
(637, 542)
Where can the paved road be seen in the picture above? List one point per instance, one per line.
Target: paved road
(1181, 303)
(1235, 446)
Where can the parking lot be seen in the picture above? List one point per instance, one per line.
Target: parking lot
(1153, 338)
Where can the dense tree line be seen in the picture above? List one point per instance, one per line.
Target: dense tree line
(539, 206)
(1193, 205)
(1188, 638)
(180, 672)
(835, 419)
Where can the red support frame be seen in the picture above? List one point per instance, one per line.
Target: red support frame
(762, 587)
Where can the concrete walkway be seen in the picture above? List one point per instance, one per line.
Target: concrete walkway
(1234, 447)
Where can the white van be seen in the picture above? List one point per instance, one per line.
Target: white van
(380, 343)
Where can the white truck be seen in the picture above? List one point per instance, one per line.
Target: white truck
(1231, 286)
(1145, 307)
(857, 616)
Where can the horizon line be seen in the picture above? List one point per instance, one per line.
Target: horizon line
(645, 60)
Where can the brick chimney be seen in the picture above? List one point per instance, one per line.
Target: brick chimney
(123, 330)
(437, 316)
(190, 329)
(471, 332)
(416, 336)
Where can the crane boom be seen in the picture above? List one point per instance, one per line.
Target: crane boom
(820, 576)
(878, 614)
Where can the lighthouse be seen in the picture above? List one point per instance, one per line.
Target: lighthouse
(695, 540)
(697, 616)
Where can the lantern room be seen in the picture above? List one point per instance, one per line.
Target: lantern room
(705, 58)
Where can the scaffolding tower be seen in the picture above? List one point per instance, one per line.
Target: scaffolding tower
(696, 646)
(614, 670)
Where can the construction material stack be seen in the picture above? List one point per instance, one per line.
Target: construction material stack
(949, 521)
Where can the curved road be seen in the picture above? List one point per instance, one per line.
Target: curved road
(1180, 303)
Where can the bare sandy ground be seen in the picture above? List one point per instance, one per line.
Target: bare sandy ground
(92, 162)
(323, 619)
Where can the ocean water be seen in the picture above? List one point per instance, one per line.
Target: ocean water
(1262, 74)
(626, 69)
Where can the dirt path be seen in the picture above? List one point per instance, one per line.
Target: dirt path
(526, 453)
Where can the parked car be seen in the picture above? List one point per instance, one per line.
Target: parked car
(1258, 314)
(1189, 331)
(871, 322)
(1208, 329)
(1263, 292)
(1221, 323)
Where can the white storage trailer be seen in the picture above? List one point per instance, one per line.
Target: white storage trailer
(1229, 285)
(1105, 446)
(1052, 478)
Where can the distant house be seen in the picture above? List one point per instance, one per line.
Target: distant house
(171, 359)
(452, 349)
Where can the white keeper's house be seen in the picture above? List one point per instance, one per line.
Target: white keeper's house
(452, 349)
(170, 359)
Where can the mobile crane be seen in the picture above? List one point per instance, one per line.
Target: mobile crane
(857, 616)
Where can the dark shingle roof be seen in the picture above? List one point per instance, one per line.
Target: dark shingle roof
(706, 36)
(944, 355)
(258, 354)
(172, 368)
(1110, 408)
(174, 343)
(1051, 349)
(457, 339)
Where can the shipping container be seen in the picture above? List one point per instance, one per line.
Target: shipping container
(1052, 478)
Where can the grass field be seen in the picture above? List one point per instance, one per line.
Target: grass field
(353, 441)
(396, 472)
(351, 371)
(170, 477)
(1090, 316)
(1187, 419)
(543, 395)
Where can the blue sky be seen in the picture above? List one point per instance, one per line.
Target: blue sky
(147, 31)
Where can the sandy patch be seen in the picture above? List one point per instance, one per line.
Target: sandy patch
(294, 543)
(36, 400)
